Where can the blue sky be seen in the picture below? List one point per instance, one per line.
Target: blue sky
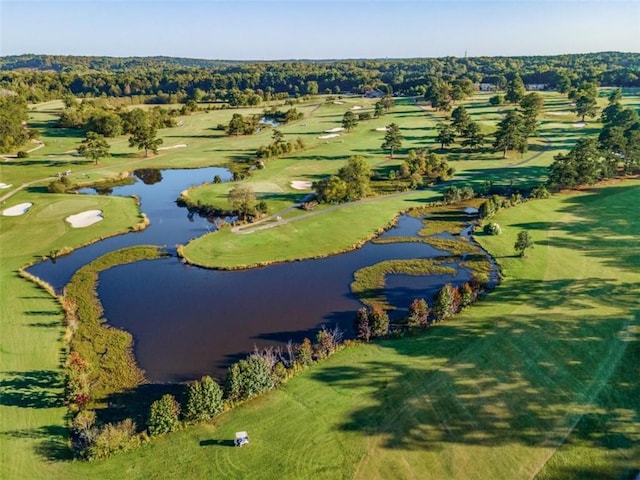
(270, 29)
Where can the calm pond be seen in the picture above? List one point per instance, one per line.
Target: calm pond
(188, 321)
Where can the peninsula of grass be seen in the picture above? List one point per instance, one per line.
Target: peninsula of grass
(107, 350)
(369, 282)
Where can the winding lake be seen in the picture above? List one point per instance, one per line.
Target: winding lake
(188, 321)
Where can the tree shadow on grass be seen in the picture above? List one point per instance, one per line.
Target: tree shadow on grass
(54, 444)
(506, 381)
(599, 226)
(31, 389)
(218, 443)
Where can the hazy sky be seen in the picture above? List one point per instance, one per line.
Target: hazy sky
(270, 29)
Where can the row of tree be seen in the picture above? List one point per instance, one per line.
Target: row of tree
(245, 83)
(373, 322)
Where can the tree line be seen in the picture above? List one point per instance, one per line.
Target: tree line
(50, 77)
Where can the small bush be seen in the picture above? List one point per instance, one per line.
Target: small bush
(110, 439)
(204, 400)
(540, 192)
(163, 415)
(22, 154)
(492, 229)
(248, 378)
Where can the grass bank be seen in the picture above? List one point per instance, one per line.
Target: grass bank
(107, 351)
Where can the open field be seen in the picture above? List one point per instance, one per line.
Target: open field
(540, 378)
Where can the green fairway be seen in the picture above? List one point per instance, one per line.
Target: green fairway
(537, 379)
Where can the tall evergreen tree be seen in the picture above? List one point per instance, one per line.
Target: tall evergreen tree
(392, 139)
(511, 134)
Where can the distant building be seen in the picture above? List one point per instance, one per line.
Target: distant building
(374, 94)
(536, 86)
(487, 87)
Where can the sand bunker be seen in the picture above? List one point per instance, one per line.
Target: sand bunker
(579, 125)
(17, 210)
(301, 184)
(334, 130)
(85, 219)
(559, 113)
(331, 135)
(381, 129)
(338, 102)
(181, 145)
(356, 107)
(4, 185)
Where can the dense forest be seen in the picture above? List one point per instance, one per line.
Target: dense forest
(164, 79)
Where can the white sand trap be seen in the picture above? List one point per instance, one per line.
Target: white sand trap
(334, 130)
(85, 219)
(356, 107)
(338, 102)
(180, 145)
(559, 113)
(17, 210)
(381, 129)
(330, 135)
(301, 184)
(579, 125)
(4, 185)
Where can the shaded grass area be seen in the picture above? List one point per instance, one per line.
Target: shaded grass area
(369, 282)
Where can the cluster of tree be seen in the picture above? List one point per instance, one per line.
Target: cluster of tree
(243, 202)
(512, 132)
(453, 194)
(13, 118)
(111, 122)
(382, 106)
(276, 115)
(518, 125)
(39, 77)
(620, 135)
(279, 146)
(242, 125)
(203, 400)
(421, 167)
(443, 94)
(585, 100)
(615, 152)
(463, 126)
(373, 322)
(352, 182)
